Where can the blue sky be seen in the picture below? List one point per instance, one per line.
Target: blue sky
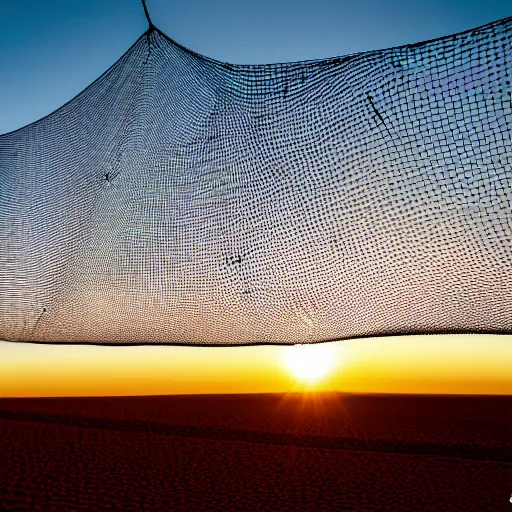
(51, 50)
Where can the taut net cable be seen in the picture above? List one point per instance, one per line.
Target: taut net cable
(183, 200)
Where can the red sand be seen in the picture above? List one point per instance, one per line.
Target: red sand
(257, 453)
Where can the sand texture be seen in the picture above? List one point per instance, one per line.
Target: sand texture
(274, 452)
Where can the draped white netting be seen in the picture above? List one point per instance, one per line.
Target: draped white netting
(183, 200)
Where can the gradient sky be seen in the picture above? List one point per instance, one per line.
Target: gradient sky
(51, 50)
(477, 364)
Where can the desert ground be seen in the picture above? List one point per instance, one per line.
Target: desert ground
(272, 452)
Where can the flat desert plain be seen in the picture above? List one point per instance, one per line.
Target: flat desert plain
(268, 452)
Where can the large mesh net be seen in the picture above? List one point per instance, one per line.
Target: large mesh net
(183, 200)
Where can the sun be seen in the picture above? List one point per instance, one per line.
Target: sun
(309, 363)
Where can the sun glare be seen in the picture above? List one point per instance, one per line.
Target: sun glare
(310, 363)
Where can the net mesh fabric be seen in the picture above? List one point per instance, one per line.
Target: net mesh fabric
(183, 200)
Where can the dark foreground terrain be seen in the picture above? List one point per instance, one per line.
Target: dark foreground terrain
(294, 452)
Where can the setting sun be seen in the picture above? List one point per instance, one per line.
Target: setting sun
(310, 363)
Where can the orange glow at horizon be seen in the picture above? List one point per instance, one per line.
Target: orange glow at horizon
(473, 364)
